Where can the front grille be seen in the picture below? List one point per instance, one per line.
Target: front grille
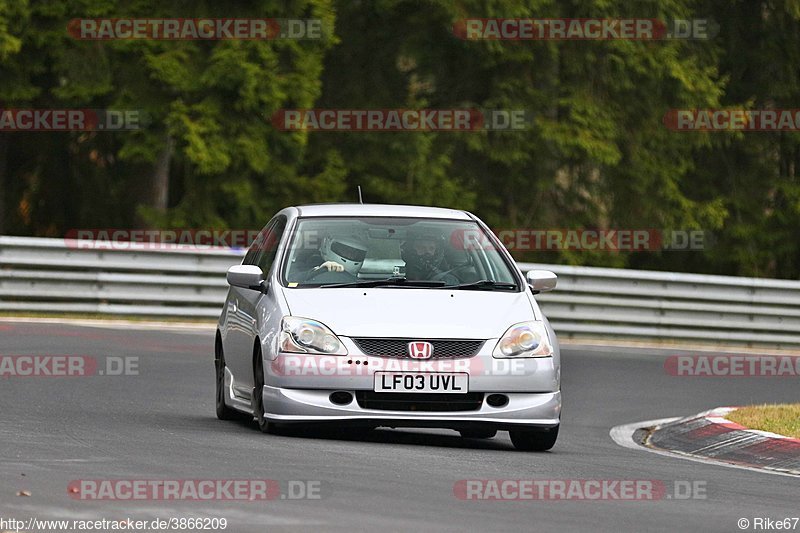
(442, 348)
(411, 401)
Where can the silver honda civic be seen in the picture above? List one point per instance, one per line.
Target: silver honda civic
(360, 316)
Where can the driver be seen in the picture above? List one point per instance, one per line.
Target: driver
(343, 255)
(423, 253)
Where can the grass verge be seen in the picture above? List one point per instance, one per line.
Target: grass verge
(783, 419)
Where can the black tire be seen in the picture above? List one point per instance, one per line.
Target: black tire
(223, 411)
(478, 433)
(527, 440)
(257, 398)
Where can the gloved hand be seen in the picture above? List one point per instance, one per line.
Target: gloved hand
(332, 266)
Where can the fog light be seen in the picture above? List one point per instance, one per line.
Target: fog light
(497, 400)
(341, 397)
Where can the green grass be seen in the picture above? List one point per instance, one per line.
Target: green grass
(783, 419)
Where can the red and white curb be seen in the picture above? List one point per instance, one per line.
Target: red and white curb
(711, 438)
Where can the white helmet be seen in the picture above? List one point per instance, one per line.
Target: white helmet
(347, 251)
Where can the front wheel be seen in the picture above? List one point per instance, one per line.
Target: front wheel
(527, 440)
(257, 400)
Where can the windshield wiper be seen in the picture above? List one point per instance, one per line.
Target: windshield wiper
(387, 282)
(485, 284)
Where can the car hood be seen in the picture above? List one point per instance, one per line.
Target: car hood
(425, 313)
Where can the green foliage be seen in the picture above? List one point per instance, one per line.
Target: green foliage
(597, 154)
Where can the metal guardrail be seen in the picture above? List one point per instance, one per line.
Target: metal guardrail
(43, 275)
(54, 275)
(668, 306)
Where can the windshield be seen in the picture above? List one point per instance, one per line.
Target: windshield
(394, 252)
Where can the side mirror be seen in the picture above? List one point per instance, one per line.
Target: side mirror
(246, 277)
(541, 280)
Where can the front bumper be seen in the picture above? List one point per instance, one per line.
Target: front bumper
(539, 410)
(298, 388)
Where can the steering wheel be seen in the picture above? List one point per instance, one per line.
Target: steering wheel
(441, 275)
(342, 276)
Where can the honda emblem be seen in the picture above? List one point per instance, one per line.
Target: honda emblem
(420, 350)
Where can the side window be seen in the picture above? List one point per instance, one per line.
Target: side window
(251, 257)
(271, 238)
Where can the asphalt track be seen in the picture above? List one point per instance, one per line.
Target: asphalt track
(160, 424)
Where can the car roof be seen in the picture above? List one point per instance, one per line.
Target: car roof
(380, 210)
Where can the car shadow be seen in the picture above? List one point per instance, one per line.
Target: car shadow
(382, 435)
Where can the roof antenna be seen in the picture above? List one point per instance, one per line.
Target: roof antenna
(360, 200)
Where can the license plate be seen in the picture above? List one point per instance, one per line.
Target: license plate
(455, 383)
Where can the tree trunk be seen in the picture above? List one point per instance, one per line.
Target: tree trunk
(3, 166)
(160, 183)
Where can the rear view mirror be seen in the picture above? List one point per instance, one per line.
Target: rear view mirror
(246, 277)
(541, 280)
(382, 233)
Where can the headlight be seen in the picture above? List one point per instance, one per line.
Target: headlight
(526, 339)
(303, 335)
